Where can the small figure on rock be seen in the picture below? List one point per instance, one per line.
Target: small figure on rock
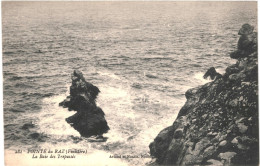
(212, 73)
(247, 42)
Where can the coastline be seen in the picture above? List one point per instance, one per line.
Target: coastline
(218, 125)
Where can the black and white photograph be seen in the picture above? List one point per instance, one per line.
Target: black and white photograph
(130, 83)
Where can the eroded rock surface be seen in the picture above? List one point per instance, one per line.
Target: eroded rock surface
(218, 125)
(89, 119)
(212, 73)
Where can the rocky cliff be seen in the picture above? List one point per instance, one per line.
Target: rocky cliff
(218, 125)
(89, 119)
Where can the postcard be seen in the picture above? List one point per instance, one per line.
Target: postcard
(130, 83)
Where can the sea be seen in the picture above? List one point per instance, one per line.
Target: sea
(143, 56)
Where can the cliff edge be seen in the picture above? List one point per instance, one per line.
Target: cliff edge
(218, 125)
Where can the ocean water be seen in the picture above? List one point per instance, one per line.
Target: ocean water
(143, 56)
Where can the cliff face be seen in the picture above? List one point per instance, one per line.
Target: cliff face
(218, 125)
(89, 119)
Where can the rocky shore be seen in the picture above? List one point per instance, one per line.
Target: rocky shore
(89, 119)
(218, 125)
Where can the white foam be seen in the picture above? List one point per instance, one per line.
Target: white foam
(109, 74)
(51, 120)
(220, 70)
(113, 92)
(115, 100)
(199, 76)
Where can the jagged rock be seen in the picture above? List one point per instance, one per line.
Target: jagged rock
(232, 69)
(212, 73)
(237, 77)
(89, 119)
(88, 124)
(246, 29)
(247, 43)
(221, 118)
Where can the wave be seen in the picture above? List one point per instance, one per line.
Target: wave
(37, 94)
(109, 74)
(23, 85)
(51, 119)
(199, 77)
(151, 58)
(195, 65)
(136, 85)
(8, 52)
(14, 78)
(16, 110)
(150, 76)
(220, 70)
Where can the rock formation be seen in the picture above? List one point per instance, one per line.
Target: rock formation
(212, 73)
(89, 119)
(218, 125)
(247, 43)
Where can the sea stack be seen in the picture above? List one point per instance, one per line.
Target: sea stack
(218, 125)
(89, 119)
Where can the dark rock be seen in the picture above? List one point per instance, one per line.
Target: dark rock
(247, 43)
(238, 54)
(38, 136)
(212, 73)
(89, 119)
(246, 29)
(28, 125)
(35, 135)
(88, 124)
(178, 133)
(232, 69)
(237, 77)
(65, 103)
(218, 124)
